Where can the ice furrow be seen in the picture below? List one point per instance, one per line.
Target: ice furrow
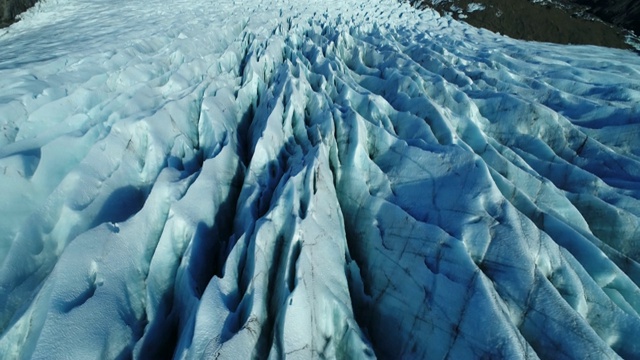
(273, 179)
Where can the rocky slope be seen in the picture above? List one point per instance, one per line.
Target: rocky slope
(564, 22)
(10, 8)
(624, 13)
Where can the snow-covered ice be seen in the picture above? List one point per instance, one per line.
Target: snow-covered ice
(472, 7)
(340, 179)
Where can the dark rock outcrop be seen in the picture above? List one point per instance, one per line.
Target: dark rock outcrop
(624, 13)
(9, 9)
(560, 21)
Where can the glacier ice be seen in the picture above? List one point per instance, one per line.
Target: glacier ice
(312, 179)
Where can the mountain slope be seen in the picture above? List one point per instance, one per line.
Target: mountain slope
(561, 22)
(344, 179)
(621, 13)
(10, 8)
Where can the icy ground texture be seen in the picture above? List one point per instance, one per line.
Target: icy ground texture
(341, 179)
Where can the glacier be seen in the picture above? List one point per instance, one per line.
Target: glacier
(337, 179)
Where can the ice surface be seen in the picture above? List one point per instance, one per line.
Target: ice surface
(312, 179)
(472, 7)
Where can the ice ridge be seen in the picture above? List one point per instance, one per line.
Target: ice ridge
(283, 179)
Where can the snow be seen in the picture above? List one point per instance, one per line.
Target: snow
(312, 179)
(471, 7)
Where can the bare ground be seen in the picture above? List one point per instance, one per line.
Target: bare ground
(565, 23)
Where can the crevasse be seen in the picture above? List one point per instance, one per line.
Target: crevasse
(322, 179)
